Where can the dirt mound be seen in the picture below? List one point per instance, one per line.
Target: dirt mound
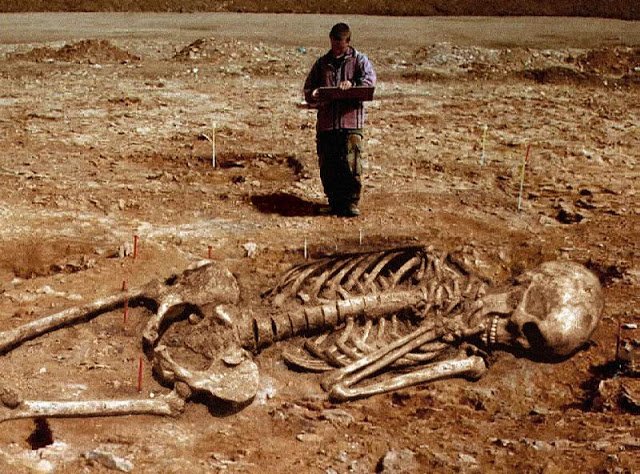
(243, 58)
(85, 51)
(557, 75)
(616, 61)
(444, 61)
(211, 50)
(615, 65)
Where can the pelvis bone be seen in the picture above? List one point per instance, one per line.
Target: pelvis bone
(374, 322)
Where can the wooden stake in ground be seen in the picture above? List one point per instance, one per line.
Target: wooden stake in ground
(524, 164)
(135, 246)
(306, 255)
(140, 365)
(618, 340)
(213, 144)
(484, 139)
(126, 304)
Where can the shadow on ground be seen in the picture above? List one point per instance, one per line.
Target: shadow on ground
(284, 204)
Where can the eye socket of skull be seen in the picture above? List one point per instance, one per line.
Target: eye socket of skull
(531, 332)
(537, 302)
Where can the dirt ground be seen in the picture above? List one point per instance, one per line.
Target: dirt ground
(620, 9)
(105, 124)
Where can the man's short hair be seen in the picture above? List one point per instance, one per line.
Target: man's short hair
(340, 31)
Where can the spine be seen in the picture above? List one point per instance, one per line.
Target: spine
(259, 332)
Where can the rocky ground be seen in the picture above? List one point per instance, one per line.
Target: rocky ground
(107, 136)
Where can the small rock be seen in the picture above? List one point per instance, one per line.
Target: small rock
(398, 462)
(309, 438)
(504, 443)
(38, 466)
(195, 319)
(109, 460)
(601, 445)
(537, 410)
(9, 398)
(467, 459)
(537, 444)
(568, 216)
(337, 416)
(234, 356)
(251, 249)
(304, 297)
(266, 391)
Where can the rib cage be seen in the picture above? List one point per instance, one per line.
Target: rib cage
(356, 274)
(344, 346)
(406, 284)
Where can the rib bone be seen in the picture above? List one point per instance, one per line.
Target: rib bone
(382, 357)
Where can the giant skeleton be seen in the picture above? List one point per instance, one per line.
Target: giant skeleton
(374, 322)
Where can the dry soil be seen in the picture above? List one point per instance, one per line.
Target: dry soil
(105, 124)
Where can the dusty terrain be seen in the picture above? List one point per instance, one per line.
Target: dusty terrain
(573, 8)
(104, 136)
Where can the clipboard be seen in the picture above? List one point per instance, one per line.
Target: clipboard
(359, 93)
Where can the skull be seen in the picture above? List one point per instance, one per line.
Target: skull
(553, 309)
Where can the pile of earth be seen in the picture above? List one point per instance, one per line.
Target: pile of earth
(615, 61)
(85, 51)
(615, 65)
(244, 58)
(618, 66)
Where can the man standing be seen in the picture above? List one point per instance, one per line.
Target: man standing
(340, 123)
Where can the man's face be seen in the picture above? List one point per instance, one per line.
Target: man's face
(339, 46)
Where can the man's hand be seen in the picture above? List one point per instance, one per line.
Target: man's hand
(344, 85)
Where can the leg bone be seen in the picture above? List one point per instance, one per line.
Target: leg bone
(14, 337)
(169, 405)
